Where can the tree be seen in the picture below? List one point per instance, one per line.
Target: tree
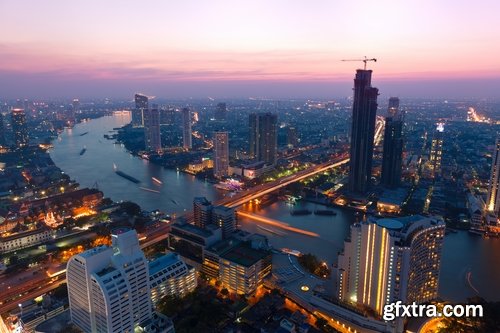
(131, 208)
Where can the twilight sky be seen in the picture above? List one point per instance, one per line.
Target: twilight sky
(241, 48)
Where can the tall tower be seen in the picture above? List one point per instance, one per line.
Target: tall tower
(220, 112)
(152, 128)
(393, 145)
(108, 288)
(493, 202)
(221, 154)
(263, 137)
(20, 128)
(141, 104)
(187, 142)
(436, 151)
(2, 131)
(364, 111)
(387, 260)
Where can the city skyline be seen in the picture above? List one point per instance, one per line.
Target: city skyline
(246, 50)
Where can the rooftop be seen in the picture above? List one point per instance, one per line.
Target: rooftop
(244, 255)
(159, 263)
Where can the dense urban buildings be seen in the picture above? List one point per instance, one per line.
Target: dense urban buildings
(19, 127)
(152, 137)
(364, 112)
(220, 111)
(393, 145)
(221, 154)
(493, 201)
(386, 260)
(141, 104)
(263, 137)
(187, 142)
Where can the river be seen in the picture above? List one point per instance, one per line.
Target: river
(462, 252)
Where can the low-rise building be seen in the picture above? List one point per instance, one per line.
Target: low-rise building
(25, 239)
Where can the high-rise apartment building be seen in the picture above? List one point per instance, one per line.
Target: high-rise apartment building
(225, 218)
(220, 111)
(364, 112)
(291, 137)
(141, 104)
(19, 127)
(187, 142)
(393, 145)
(108, 287)
(152, 137)
(436, 151)
(387, 260)
(493, 201)
(221, 154)
(264, 137)
(202, 210)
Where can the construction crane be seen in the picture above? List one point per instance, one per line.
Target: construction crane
(365, 60)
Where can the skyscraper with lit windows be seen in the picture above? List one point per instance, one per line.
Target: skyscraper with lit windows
(264, 137)
(493, 201)
(152, 128)
(393, 145)
(221, 154)
(436, 153)
(20, 128)
(141, 104)
(187, 142)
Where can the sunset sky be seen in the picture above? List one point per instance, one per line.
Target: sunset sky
(268, 48)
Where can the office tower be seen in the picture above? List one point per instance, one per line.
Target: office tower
(291, 137)
(141, 104)
(108, 287)
(220, 111)
(264, 137)
(2, 131)
(393, 145)
(493, 201)
(364, 110)
(225, 218)
(167, 116)
(152, 138)
(186, 129)
(436, 151)
(170, 276)
(387, 260)
(202, 210)
(221, 154)
(20, 128)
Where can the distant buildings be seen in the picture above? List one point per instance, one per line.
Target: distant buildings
(393, 145)
(108, 288)
(220, 216)
(436, 151)
(20, 128)
(264, 137)
(291, 137)
(186, 129)
(221, 154)
(152, 136)
(141, 104)
(493, 201)
(391, 259)
(2, 131)
(220, 111)
(364, 111)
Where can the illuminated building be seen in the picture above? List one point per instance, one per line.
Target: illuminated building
(2, 131)
(186, 129)
(264, 137)
(393, 145)
(141, 104)
(493, 201)
(224, 218)
(291, 137)
(436, 151)
(391, 259)
(25, 239)
(364, 110)
(220, 111)
(221, 154)
(20, 128)
(108, 287)
(152, 137)
(206, 163)
(169, 275)
(202, 209)
(75, 108)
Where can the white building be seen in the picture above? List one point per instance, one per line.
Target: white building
(391, 259)
(25, 239)
(108, 287)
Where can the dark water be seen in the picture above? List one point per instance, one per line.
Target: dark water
(462, 252)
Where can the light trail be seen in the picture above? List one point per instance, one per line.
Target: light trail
(276, 223)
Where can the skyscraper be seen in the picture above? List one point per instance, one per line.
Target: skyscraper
(221, 154)
(141, 104)
(220, 111)
(186, 129)
(387, 260)
(263, 137)
(493, 202)
(393, 145)
(202, 210)
(436, 151)
(20, 128)
(108, 288)
(2, 131)
(291, 137)
(152, 136)
(364, 111)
